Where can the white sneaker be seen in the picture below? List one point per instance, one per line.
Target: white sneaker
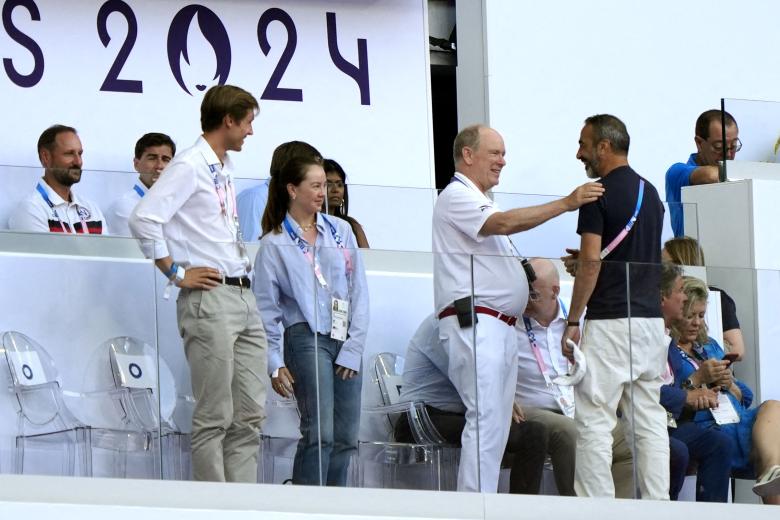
(769, 483)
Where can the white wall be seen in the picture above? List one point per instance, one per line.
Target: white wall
(656, 65)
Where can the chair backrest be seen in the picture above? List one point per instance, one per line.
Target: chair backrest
(134, 370)
(388, 369)
(35, 383)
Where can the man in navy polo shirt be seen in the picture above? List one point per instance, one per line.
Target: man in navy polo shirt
(702, 166)
(623, 336)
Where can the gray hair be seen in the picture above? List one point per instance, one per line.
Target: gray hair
(612, 129)
(466, 138)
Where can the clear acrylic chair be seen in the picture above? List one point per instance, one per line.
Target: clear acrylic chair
(428, 463)
(136, 372)
(46, 426)
(277, 449)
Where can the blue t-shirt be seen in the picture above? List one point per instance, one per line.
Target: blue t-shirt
(677, 176)
(251, 205)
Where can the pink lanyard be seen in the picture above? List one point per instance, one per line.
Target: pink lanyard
(535, 348)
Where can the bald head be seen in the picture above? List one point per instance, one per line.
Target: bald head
(543, 305)
(545, 270)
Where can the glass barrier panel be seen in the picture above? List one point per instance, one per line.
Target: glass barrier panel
(405, 438)
(80, 353)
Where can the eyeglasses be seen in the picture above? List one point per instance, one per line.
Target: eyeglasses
(334, 184)
(735, 145)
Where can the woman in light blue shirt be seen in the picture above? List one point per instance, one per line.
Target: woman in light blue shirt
(309, 276)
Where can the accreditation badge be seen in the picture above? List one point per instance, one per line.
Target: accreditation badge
(339, 319)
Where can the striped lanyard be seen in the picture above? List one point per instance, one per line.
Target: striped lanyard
(223, 192)
(306, 248)
(535, 348)
(624, 232)
(70, 228)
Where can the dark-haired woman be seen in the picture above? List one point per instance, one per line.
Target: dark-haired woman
(338, 199)
(310, 278)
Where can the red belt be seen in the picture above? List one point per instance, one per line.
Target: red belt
(479, 309)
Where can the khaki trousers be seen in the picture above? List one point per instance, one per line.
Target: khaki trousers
(561, 445)
(225, 345)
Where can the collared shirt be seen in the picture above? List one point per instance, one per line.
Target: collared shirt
(34, 213)
(285, 287)
(181, 216)
(425, 370)
(677, 177)
(251, 205)
(498, 278)
(122, 208)
(531, 389)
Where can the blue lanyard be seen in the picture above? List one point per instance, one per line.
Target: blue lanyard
(300, 242)
(139, 191)
(46, 198)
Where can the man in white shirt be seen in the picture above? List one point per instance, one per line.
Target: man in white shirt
(153, 152)
(471, 252)
(54, 206)
(188, 224)
(544, 322)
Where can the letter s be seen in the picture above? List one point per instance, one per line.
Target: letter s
(31, 79)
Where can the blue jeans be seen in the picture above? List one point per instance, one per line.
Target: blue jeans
(323, 455)
(713, 450)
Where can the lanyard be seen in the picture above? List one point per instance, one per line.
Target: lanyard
(47, 200)
(139, 191)
(535, 348)
(306, 249)
(222, 194)
(688, 358)
(619, 238)
(520, 257)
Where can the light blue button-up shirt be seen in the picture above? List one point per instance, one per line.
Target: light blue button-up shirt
(287, 290)
(251, 205)
(425, 370)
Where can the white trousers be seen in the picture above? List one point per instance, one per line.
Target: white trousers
(609, 384)
(486, 384)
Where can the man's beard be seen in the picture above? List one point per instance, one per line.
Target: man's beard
(590, 173)
(66, 176)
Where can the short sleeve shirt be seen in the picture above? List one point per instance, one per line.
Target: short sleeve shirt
(677, 177)
(498, 278)
(606, 217)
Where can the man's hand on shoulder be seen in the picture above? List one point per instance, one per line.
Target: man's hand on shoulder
(588, 192)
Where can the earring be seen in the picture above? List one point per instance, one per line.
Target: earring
(341, 207)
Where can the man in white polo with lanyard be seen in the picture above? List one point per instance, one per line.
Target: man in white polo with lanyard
(188, 224)
(54, 206)
(468, 227)
(153, 152)
(623, 337)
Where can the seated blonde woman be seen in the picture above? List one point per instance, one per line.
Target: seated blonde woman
(697, 360)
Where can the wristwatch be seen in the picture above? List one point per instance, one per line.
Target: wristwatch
(688, 384)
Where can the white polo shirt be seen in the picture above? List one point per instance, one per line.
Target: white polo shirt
(45, 211)
(532, 390)
(182, 215)
(120, 211)
(499, 279)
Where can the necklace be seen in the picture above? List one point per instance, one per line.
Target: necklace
(307, 228)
